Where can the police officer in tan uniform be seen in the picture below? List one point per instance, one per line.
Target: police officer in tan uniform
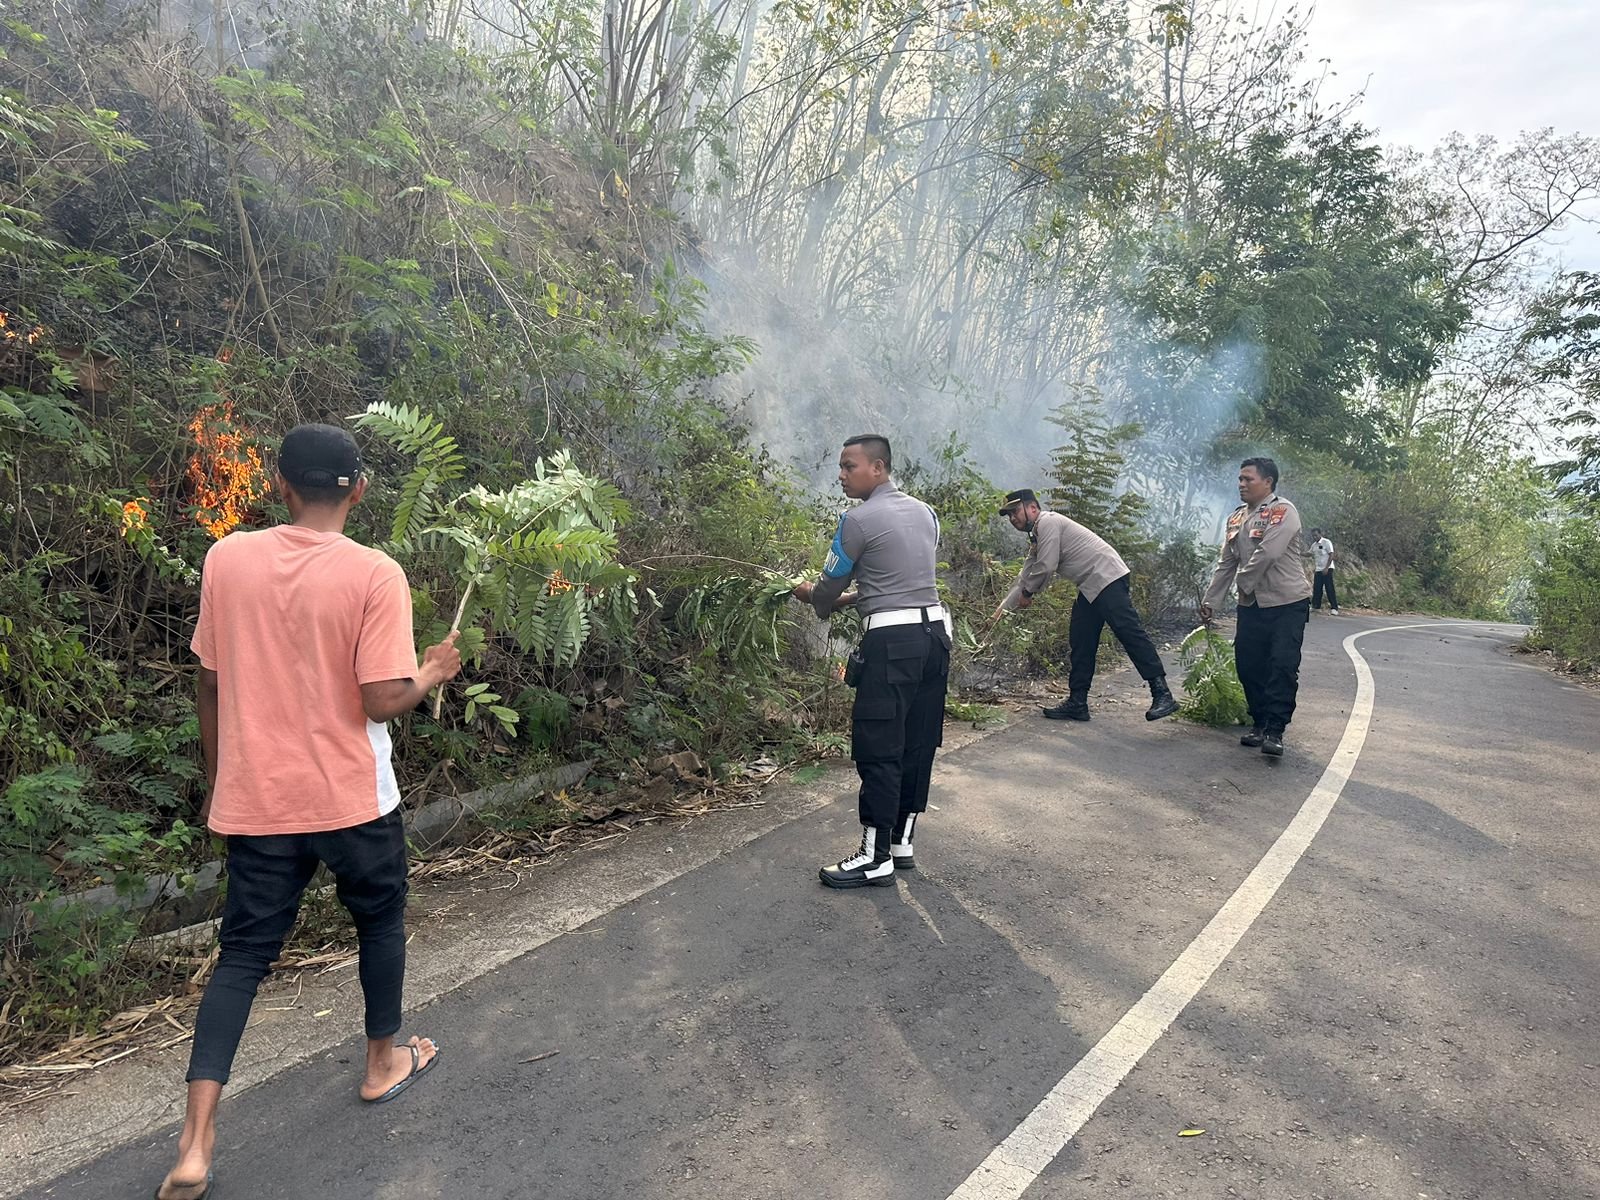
(1060, 548)
(1261, 553)
(887, 547)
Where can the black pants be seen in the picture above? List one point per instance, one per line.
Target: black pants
(266, 876)
(1322, 581)
(1266, 650)
(898, 720)
(1113, 607)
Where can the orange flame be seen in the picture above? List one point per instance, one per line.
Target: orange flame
(225, 471)
(559, 582)
(9, 333)
(135, 516)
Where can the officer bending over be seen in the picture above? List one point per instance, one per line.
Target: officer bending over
(1060, 548)
(888, 547)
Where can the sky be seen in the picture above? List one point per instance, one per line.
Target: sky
(1431, 67)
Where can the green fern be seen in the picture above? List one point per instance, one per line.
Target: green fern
(1213, 693)
(438, 461)
(535, 559)
(742, 618)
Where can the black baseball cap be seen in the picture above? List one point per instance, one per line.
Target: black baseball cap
(1017, 499)
(321, 456)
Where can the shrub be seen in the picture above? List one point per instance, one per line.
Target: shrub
(1169, 578)
(1566, 593)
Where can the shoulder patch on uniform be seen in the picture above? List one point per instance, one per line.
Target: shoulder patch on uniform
(839, 565)
(1276, 514)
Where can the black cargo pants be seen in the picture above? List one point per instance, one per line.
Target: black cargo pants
(1266, 651)
(898, 719)
(1113, 607)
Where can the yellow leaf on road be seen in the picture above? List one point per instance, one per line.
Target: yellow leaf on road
(1190, 1132)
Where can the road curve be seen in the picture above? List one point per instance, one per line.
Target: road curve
(1408, 1013)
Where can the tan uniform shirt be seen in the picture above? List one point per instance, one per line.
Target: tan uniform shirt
(1261, 553)
(1063, 549)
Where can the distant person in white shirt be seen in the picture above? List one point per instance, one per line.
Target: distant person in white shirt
(1322, 573)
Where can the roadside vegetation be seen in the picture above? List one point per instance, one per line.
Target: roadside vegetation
(600, 300)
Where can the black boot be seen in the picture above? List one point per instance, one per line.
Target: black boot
(870, 866)
(1073, 708)
(1272, 743)
(1251, 739)
(900, 846)
(1161, 702)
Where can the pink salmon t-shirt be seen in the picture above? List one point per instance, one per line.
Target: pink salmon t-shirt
(294, 621)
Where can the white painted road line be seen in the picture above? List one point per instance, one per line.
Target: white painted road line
(1031, 1147)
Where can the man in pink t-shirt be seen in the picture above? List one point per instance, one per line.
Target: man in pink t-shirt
(306, 652)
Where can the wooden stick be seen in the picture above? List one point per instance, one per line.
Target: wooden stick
(455, 626)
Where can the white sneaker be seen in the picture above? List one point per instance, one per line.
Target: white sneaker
(1333, 612)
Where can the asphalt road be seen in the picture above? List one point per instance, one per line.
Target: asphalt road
(1412, 1014)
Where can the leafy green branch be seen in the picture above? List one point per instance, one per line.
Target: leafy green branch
(1214, 695)
(536, 560)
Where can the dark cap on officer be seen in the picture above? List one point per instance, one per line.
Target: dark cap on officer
(319, 456)
(1016, 500)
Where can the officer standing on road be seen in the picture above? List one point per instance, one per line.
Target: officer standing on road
(1322, 572)
(888, 546)
(1060, 548)
(1261, 553)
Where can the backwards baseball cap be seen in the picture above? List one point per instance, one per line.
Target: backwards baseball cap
(321, 456)
(1017, 499)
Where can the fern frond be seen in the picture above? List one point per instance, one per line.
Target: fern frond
(438, 461)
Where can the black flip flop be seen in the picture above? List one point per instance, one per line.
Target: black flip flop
(205, 1193)
(417, 1071)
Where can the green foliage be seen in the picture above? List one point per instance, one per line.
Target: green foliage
(544, 716)
(743, 618)
(536, 560)
(1450, 531)
(65, 972)
(53, 683)
(1302, 252)
(439, 461)
(1566, 593)
(1170, 575)
(1213, 694)
(480, 700)
(1087, 474)
(62, 963)
(1034, 640)
(982, 716)
(1569, 317)
(46, 802)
